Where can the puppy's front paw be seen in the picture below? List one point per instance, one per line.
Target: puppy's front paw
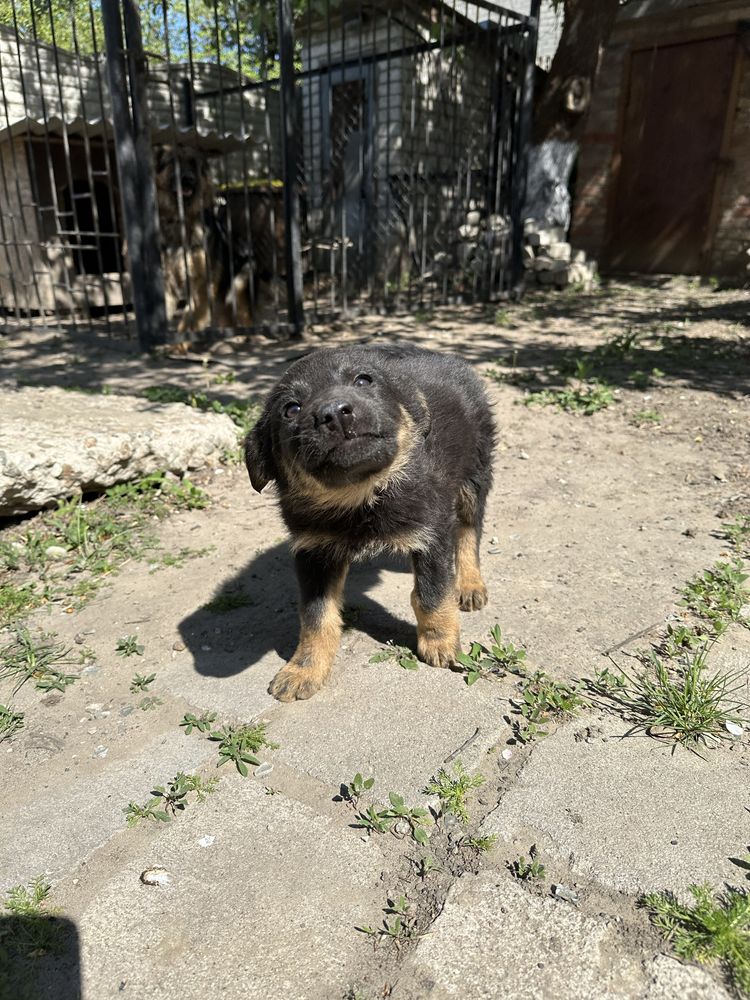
(295, 683)
(472, 597)
(437, 652)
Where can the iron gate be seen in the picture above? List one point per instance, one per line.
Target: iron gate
(204, 166)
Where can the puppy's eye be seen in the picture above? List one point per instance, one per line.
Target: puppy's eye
(362, 380)
(292, 409)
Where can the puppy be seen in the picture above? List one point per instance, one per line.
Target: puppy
(373, 449)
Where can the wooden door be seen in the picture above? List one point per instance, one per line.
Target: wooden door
(673, 124)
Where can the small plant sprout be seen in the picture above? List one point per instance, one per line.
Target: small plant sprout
(400, 654)
(128, 645)
(398, 924)
(168, 800)
(38, 659)
(453, 789)
(528, 870)
(585, 398)
(239, 745)
(737, 533)
(681, 701)
(32, 930)
(356, 788)
(716, 928)
(680, 639)
(201, 722)
(397, 818)
(229, 600)
(141, 682)
(424, 866)
(497, 659)
(480, 844)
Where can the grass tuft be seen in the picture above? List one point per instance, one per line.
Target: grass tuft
(453, 789)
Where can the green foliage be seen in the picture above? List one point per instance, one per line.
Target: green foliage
(584, 398)
(356, 788)
(239, 745)
(168, 800)
(141, 682)
(737, 533)
(680, 701)
(245, 415)
(399, 923)
(201, 722)
(716, 928)
(718, 595)
(128, 645)
(229, 600)
(453, 789)
(544, 699)
(17, 602)
(10, 722)
(32, 927)
(38, 659)
(396, 818)
(528, 870)
(400, 654)
(496, 660)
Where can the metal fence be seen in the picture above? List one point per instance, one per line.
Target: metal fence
(203, 166)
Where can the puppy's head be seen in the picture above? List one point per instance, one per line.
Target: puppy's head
(337, 419)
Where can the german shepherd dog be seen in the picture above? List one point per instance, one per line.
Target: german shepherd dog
(200, 271)
(375, 449)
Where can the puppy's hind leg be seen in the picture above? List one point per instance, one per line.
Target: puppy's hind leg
(321, 583)
(434, 603)
(472, 592)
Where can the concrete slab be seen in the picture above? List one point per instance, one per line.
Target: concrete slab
(627, 813)
(59, 826)
(672, 979)
(495, 939)
(266, 912)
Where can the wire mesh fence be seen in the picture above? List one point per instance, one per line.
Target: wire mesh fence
(203, 166)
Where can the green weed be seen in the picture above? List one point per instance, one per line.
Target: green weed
(642, 417)
(244, 415)
(400, 654)
(680, 639)
(453, 789)
(737, 533)
(10, 722)
(39, 659)
(544, 699)
(32, 929)
(498, 659)
(17, 601)
(356, 788)
(397, 818)
(239, 745)
(480, 844)
(141, 682)
(680, 701)
(202, 722)
(585, 398)
(168, 800)
(528, 870)
(718, 595)
(401, 927)
(128, 645)
(716, 928)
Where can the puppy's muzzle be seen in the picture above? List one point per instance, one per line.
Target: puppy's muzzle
(337, 417)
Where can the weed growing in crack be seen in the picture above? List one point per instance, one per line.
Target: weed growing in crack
(718, 595)
(679, 640)
(680, 701)
(31, 928)
(10, 722)
(453, 789)
(397, 818)
(399, 923)
(355, 789)
(543, 699)
(18, 601)
(400, 654)
(528, 869)
(716, 928)
(128, 645)
(141, 682)
(643, 418)
(229, 600)
(168, 800)
(479, 844)
(239, 745)
(737, 533)
(496, 660)
(38, 659)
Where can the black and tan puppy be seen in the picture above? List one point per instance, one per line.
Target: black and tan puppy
(372, 449)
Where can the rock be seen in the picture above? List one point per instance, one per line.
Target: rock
(558, 251)
(56, 444)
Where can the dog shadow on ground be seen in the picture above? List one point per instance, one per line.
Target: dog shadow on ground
(226, 644)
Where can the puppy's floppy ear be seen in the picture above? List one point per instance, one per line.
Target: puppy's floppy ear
(259, 454)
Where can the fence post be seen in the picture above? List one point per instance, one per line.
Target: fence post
(289, 156)
(135, 168)
(524, 131)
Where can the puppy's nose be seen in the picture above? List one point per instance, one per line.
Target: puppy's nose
(337, 417)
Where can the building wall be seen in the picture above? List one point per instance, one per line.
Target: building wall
(637, 24)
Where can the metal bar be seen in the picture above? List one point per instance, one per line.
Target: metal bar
(289, 152)
(136, 179)
(524, 130)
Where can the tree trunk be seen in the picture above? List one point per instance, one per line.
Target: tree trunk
(564, 96)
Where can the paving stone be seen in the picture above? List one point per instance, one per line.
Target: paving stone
(55, 444)
(628, 813)
(59, 826)
(267, 911)
(671, 980)
(494, 939)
